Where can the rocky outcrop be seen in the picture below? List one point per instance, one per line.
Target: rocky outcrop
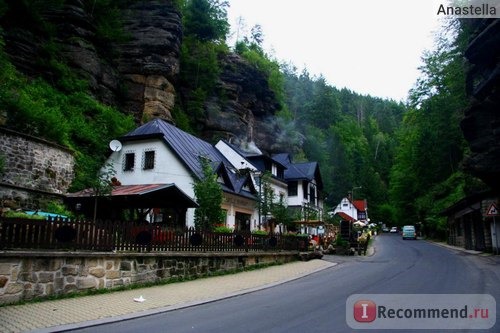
(481, 124)
(139, 75)
(135, 76)
(149, 60)
(246, 114)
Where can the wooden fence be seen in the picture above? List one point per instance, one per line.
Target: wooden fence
(127, 236)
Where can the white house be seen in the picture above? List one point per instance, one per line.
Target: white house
(256, 163)
(352, 210)
(305, 187)
(160, 153)
(158, 160)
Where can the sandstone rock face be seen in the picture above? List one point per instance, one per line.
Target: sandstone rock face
(247, 112)
(481, 124)
(149, 60)
(139, 76)
(138, 80)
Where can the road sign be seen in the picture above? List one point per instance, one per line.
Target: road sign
(492, 210)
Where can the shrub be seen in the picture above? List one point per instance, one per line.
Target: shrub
(223, 230)
(22, 215)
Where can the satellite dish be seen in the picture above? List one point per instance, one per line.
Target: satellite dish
(115, 145)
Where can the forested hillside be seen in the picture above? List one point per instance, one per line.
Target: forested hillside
(404, 159)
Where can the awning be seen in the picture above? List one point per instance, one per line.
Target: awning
(139, 196)
(310, 222)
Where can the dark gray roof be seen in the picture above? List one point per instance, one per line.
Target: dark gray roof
(299, 171)
(190, 149)
(187, 147)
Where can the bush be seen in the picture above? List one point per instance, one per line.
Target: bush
(21, 215)
(223, 230)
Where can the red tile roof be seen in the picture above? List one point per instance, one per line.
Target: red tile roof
(360, 205)
(344, 216)
(124, 190)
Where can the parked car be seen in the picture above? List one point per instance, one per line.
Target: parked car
(409, 232)
(394, 230)
(385, 229)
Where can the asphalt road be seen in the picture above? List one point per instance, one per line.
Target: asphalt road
(317, 303)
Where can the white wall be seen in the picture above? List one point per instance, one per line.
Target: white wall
(167, 169)
(346, 207)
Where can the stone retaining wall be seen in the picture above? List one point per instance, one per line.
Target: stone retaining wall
(32, 169)
(29, 275)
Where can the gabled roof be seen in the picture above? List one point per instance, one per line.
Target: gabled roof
(190, 150)
(359, 204)
(240, 182)
(300, 171)
(187, 147)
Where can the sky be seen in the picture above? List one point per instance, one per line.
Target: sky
(372, 47)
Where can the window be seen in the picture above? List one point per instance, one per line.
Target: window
(128, 162)
(281, 173)
(149, 160)
(292, 189)
(312, 195)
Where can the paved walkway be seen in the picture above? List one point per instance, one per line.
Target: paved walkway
(64, 314)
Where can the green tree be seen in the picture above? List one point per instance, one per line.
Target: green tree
(266, 195)
(281, 213)
(426, 177)
(206, 19)
(209, 197)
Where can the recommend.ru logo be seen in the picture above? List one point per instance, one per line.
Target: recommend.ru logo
(421, 311)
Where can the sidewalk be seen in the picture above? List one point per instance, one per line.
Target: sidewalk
(64, 314)
(457, 248)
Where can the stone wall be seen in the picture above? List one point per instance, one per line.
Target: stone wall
(29, 275)
(32, 170)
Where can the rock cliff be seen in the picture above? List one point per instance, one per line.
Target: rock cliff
(139, 75)
(247, 113)
(481, 124)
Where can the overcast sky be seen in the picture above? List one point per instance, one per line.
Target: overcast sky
(369, 46)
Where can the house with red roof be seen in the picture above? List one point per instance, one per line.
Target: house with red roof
(352, 210)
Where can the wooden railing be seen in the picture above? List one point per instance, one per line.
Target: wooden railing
(125, 236)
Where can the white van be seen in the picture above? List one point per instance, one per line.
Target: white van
(409, 232)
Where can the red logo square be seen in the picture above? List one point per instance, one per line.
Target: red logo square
(365, 311)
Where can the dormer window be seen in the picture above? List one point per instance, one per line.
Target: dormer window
(128, 162)
(149, 160)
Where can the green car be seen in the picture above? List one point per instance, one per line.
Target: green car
(409, 232)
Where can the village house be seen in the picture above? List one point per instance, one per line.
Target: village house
(305, 188)
(158, 153)
(252, 160)
(352, 210)
(158, 161)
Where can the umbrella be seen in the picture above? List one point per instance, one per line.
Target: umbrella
(359, 224)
